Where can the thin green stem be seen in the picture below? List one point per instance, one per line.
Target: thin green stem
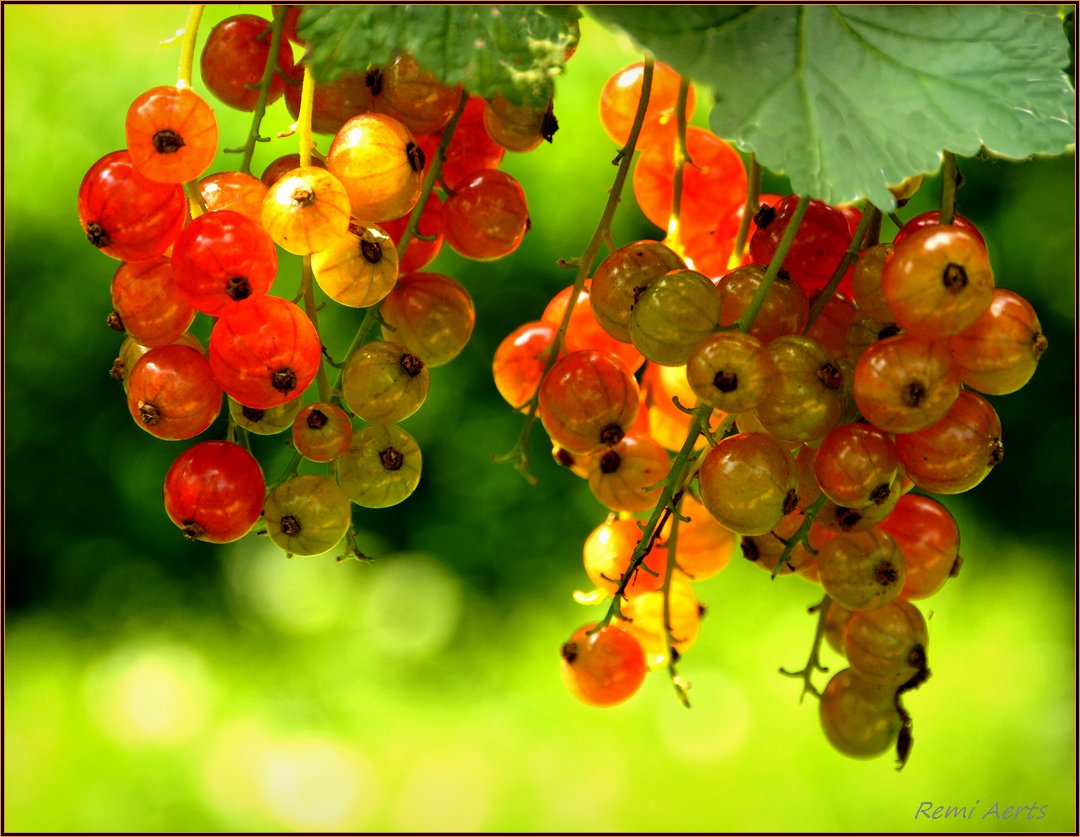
(682, 156)
(665, 591)
(187, 46)
(950, 183)
(773, 269)
(307, 289)
(303, 118)
(519, 454)
(678, 478)
(869, 214)
(801, 536)
(813, 664)
(750, 208)
(433, 174)
(195, 195)
(269, 71)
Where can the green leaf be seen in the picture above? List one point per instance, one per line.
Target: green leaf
(848, 99)
(513, 50)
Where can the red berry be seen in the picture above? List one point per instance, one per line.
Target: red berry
(126, 215)
(172, 134)
(234, 58)
(265, 352)
(214, 492)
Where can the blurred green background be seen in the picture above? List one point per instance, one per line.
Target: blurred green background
(153, 684)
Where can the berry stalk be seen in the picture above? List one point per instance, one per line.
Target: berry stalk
(813, 663)
(870, 215)
(276, 30)
(681, 159)
(750, 208)
(519, 453)
(782, 248)
(187, 45)
(950, 183)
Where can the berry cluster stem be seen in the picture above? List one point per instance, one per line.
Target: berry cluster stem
(678, 477)
(276, 30)
(519, 453)
(750, 208)
(665, 591)
(434, 172)
(870, 215)
(187, 46)
(813, 663)
(303, 118)
(682, 157)
(771, 272)
(950, 183)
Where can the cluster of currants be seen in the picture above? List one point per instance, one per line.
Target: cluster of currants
(803, 399)
(345, 214)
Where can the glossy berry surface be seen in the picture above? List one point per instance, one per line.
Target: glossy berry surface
(622, 277)
(803, 400)
(171, 134)
(588, 400)
(381, 468)
(333, 103)
(856, 465)
(862, 570)
(517, 127)
(520, 360)
(784, 309)
(306, 210)
(383, 382)
(999, 352)
(222, 259)
(819, 244)
(929, 537)
(887, 645)
(359, 268)
(602, 668)
(672, 315)
(937, 281)
(859, 717)
(607, 553)
(749, 482)
(646, 619)
(265, 352)
(321, 432)
(307, 515)
(584, 331)
(126, 215)
(471, 148)
(629, 476)
(234, 58)
(425, 246)
(379, 163)
(234, 190)
(713, 187)
(414, 96)
(903, 384)
(150, 306)
(431, 315)
(619, 101)
(172, 394)
(486, 217)
(214, 492)
(958, 451)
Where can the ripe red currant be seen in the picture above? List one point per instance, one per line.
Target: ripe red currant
(214, 492)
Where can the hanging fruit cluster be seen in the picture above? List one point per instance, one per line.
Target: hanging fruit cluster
(789, 399)
(348, 214)
(773, 373)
